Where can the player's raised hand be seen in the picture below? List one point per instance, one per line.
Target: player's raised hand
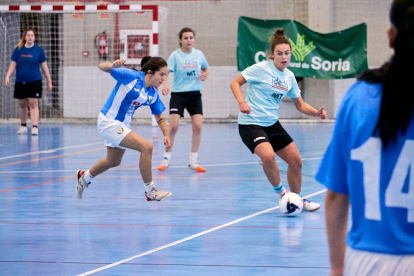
(118, 63)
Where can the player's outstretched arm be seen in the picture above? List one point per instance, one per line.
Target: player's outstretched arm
(107, 66)
(305, 108)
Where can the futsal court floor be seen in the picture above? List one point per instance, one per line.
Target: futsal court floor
(225, 221)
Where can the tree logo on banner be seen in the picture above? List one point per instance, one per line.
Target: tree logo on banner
(300, 50)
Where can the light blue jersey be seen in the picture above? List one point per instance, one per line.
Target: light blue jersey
(267, 87)
(187, 68)
(129, 94)
(378, 180)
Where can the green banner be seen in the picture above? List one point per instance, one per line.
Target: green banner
(337, 55)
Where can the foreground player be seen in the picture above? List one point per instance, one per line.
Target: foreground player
(259, 125)
(133, 90)
(370, 164)
(190, 69)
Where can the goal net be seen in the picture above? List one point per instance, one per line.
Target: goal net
(75, 40)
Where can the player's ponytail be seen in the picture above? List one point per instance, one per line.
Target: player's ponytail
(397, 104)
(152, 64)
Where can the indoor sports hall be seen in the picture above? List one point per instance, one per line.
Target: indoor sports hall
(225, 220)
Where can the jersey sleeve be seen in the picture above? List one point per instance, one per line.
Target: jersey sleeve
(171, 62)
(251, 73)
(332, 172)
(15, 55)
(157, 107)
(42, 56)
(123, 75)
(294, 92)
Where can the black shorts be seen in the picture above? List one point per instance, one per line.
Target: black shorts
(186, 100)
(276, 135)
(24, 90)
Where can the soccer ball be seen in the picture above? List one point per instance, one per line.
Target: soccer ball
(291, 204)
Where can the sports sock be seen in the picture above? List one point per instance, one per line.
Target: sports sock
(279, 189)
(167, 155)
(87, 177)
(193, 157)
(149, 186)
(34, 126)
(23, 125)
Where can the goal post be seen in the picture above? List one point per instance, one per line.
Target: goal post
(76, 38)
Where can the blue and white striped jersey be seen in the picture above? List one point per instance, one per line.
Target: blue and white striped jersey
(129, 94)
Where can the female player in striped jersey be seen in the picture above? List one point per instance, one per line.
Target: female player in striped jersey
(370, 164)
(259, 126)
(133, 90)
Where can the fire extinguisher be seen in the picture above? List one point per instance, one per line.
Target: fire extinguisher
(101, 43)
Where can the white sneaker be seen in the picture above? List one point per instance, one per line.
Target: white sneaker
(35, 131)
(310, 206)
(157, 194)
(196, 167)
(22, 130)
(164, 165)
(81, 183)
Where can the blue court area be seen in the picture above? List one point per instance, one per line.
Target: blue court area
(224, 221)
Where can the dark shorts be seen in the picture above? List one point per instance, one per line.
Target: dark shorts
(24, 90)
(276, 135)
(186, 100)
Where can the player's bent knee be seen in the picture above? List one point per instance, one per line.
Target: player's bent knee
(147, 148)
(268, 158)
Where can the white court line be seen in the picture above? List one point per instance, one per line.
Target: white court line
(154, 167)
(48, 151)
(189, 238)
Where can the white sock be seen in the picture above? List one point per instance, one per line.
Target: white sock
(87, 177)
(167, 155)
(193, 157)
(149, 186)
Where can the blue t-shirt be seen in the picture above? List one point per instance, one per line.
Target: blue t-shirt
(187, 68)
(378, 180)
(129, 94)
(27, 63)
(267, 87)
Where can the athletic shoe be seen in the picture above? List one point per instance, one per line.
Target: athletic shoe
(196, 167)
(157, 194)
(310, 206)
(164, 165)
(35, 131)
(81, 184)
(22, 130)
(283, 193)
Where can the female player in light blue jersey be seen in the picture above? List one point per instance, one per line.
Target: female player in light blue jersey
(259, 125)
(370, 164)
(190, 69)
(133, 90)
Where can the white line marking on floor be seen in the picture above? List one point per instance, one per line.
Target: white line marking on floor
(188, 238)
(48, 151)
(133, 169)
